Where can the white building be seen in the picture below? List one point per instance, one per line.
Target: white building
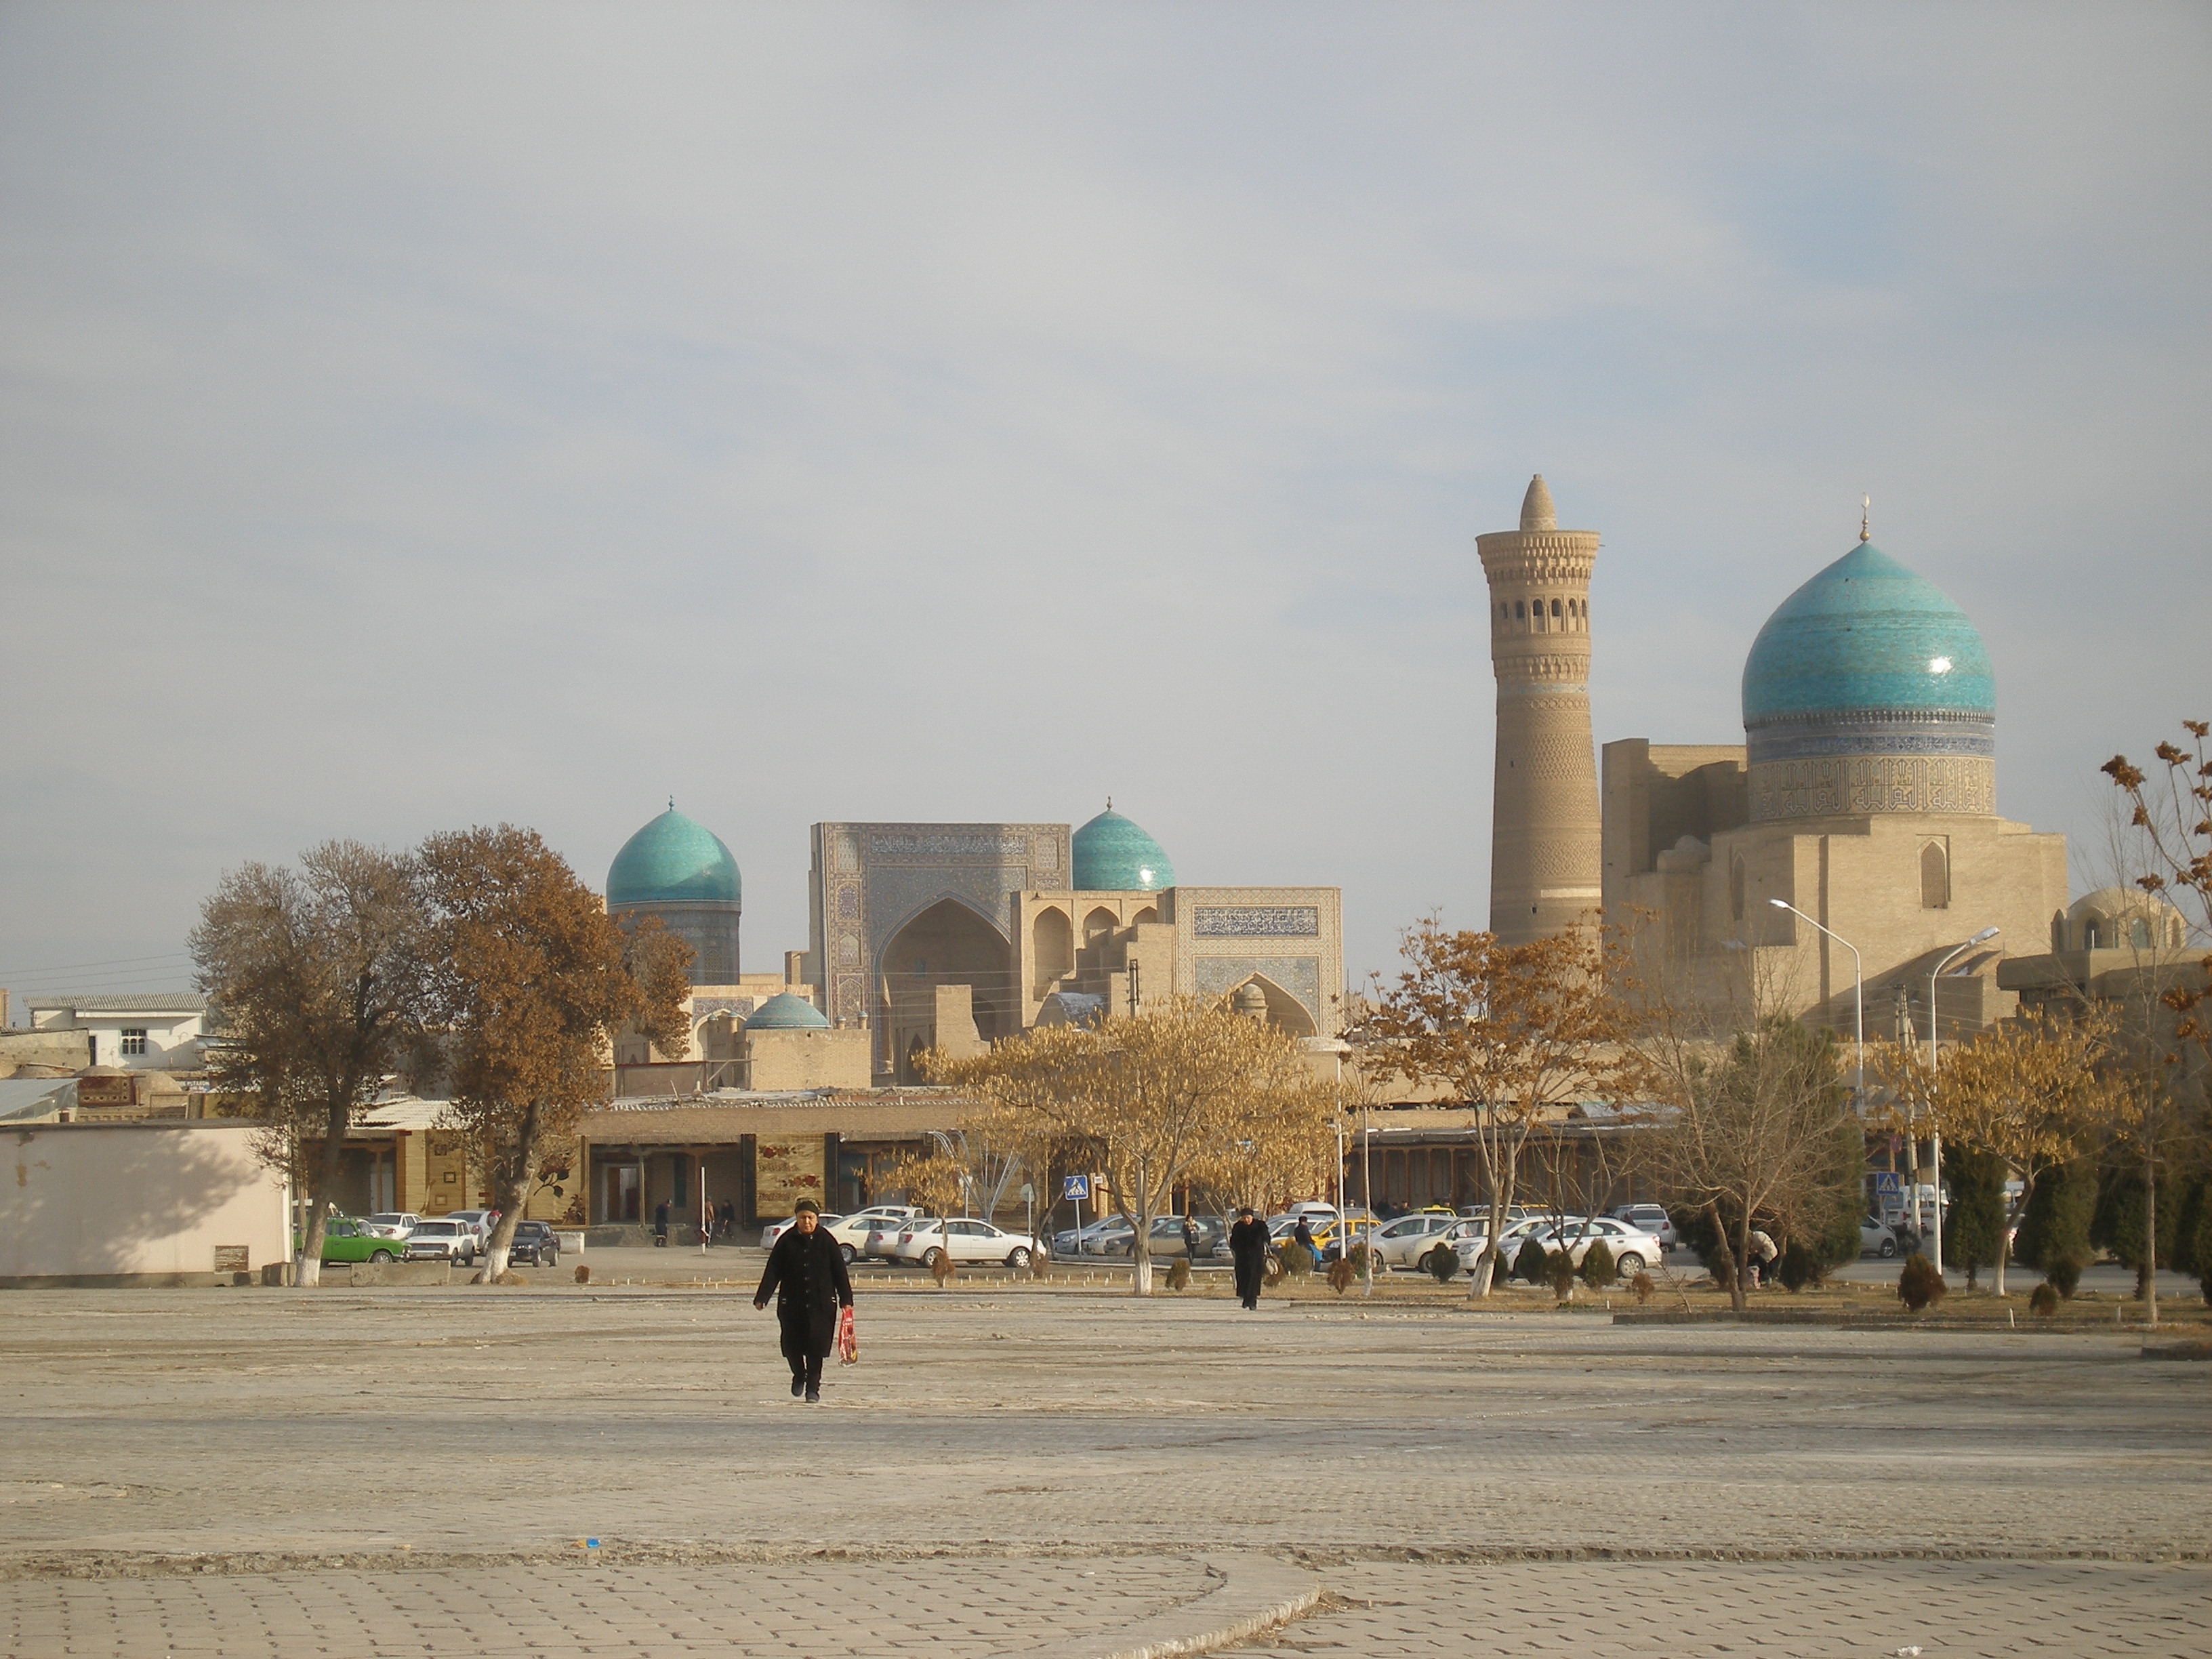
(157, 1031)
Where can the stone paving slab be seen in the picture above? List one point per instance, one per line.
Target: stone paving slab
(1782, 1610)
(955, 1608)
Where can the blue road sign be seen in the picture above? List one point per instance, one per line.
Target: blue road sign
(1887, 1183)
(1075, 1186)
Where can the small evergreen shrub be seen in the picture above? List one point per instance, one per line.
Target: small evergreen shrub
(1642, 1287)
(1919, 1286)
(2063, 1274)
(1179, 1274)
(1973, 1226)
(1298, 1259)
(1341, 1275)
(1598, 1270)
(1532, 1264)
(1798, 1265)
(1442, 1263)
(1560, 1269)
(1357, 1258)
(2043, 1303)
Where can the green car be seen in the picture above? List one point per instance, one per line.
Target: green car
(345, 1239)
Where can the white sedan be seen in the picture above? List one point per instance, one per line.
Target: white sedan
(1468, 1237)
(1403, 1242)
(1633, 1250)
(963, 1239)
(774, 1231)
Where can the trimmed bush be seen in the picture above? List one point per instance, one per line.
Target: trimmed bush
(1298, 1259)
(1598, 1270)
(1179, 1274)
(1973, 1226)
(1532, 1263)
(1442, 1263)
(1642, 1287)
(1560, 1269)
(1919, 1286)
(583, 1273)
(2055, 1227)
(1341, 1275)
(2043, 1302)
(1358, 1257)
(1799, 1265)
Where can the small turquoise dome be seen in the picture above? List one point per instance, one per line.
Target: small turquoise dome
(1115, 855)
(786, 1012)
(1867, 635)
(673, 861)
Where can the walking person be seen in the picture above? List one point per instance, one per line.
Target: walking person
(1247, 1248)
(1190, 1241)
(807, 1273)
(661, 1226)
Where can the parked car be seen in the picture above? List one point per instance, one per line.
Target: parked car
(479, 1222)
(852, 1231)
(1167, 1237)
(347, 1239)
(391, 1224)
(1109, 1237)
(1513, 1213)
(1069, 1241)
(1469, 1244)
(883, 1238)
(536, 1241)
(442, 1241)
(964, 1239)
(1877, 1237)
(1404, 1241)
(1633, 1250)
(1650, 1219)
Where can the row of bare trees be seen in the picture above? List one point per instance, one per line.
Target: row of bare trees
(477, 964)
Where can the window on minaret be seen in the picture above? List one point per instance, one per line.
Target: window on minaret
(1935, 874)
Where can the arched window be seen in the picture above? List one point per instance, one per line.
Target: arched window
(2093, 931)
(1935, 876)
(2139, 933)
(1555, 607)
(1520, 611)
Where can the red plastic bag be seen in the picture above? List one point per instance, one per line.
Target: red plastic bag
(848, 1346)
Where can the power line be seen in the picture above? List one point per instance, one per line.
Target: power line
(112, 962)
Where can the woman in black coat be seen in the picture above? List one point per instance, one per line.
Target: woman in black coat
(1247, 1248)
(806, 1272)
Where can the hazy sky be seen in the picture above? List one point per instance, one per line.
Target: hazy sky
(413, 417)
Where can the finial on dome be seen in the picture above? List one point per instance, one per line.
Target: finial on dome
(671, 803)
(1109, 802)
(1536, 510)
(1866, 512)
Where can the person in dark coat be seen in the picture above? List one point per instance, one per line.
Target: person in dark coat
(1247, 1248)
(1302, 1234)
(806, 1272)
(660, 1224)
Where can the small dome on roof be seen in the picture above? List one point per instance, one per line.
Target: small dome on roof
(673, 861)
(1115, 855)
(786, 1012)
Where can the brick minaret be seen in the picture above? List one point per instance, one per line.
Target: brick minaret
(1545, 830)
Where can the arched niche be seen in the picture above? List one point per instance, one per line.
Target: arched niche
(1148, 913)
(949, 944)
(1285, 1012)
(1099, 924)
(1052, 949)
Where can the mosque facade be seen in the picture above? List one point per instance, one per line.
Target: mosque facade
(1863, 799)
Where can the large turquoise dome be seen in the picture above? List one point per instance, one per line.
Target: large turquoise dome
(673, 861)
(1868, 691)
(1865, 634)
(1115, 855)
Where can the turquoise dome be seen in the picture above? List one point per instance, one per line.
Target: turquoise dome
(1867, 635)
(1114, 855)
(786, 1012)
(673, 861)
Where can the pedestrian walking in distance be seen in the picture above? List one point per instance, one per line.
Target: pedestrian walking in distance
(1190, 1240)
(660, 1224)
(806, 1273)
(1247, 1248)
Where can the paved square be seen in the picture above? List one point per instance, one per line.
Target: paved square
(1016, 1470)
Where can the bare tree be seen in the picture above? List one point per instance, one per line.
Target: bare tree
(1170, 1095)
(317, 980)
(533, 980)
(1517, 1031)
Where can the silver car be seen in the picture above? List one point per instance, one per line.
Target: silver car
(443, 1241)
(1404, 1243)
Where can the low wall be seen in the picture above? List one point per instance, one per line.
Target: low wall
(138, 1203)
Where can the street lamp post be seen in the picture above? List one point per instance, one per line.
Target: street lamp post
(1858, 994)
(1936, 1132)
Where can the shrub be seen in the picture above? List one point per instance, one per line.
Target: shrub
(1973, 1226)
(1919, 1286)
(2064, 1275)
(2055, 1227)
(1298, 1259)
(1641, 1287)
(1532, 1263)
(1442, 1263)
(942, 1269)
(1559, 1267)
(1598, 1270)
(2043, 1303)
(2118, 1224)
(1341, 1275)
(1799, 1265)
(1179, 1274)
(1357, 1258)
(583, 1273)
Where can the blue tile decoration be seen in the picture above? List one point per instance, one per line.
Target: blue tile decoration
(1300, 976)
